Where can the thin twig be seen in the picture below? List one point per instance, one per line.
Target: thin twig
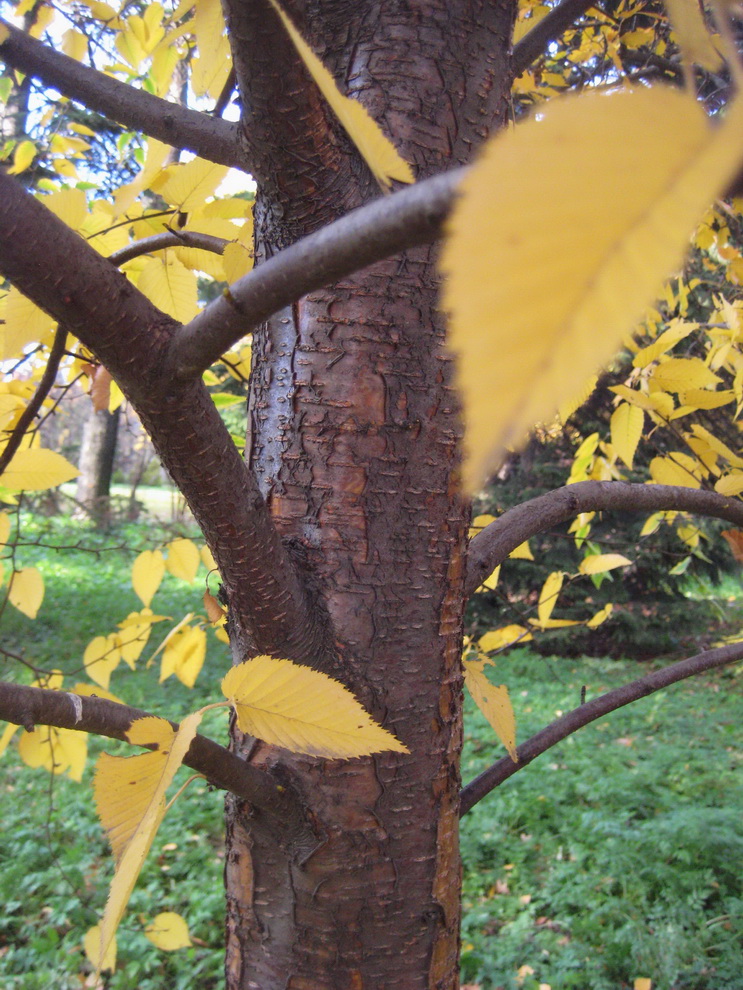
(45, 386)
(563, 727)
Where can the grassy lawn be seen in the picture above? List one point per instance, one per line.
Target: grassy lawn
(614, 856)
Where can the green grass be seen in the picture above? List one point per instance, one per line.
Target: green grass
(616, 855)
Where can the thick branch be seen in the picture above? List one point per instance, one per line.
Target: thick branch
(491, 547)
(211, 137)
(558, 730)
(28, 706)
(388, 225)
(548, 29)
(62, 274)
(44, 388)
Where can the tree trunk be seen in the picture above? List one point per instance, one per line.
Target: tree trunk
(353, 434)
(97, 452)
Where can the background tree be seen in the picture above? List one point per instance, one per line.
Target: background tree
(341, 540)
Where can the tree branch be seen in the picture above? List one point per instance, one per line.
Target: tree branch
(533, 44)
(558, 730)
(390, 224)
(491, 547)
(44, 387)
(210, 137)
(29, 706)
(62, 274)
(159, 242)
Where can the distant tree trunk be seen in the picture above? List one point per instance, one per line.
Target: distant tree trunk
(353, 433)
(97, 453)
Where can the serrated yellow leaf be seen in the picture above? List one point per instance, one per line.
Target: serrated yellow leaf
(23, 155)
(209, 70)
(617, 182)
(131, 640)
(682, 374)
(730, 484)
(171, 287)
(189, 185)
(4, 528)
(548, 595)
(693, 37)
(303, 710)
(494, 703)
(92, 946)
(184, 655)
(498, 639)
(147, 573)
(101, 658)
(24, 324)
(131, 805)
(702, 398)
(676, 469)
(626, 429)
(36, 470)
(168, 931)
(554, 623)
(26, 592)
(377, 150)
(183, 559)
(717, 445)
(597, 563)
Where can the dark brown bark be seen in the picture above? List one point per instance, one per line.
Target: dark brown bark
(353, 437)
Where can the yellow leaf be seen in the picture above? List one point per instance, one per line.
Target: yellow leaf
(693, 37)
(183, 559)
(598, 563)
(522, 552)
(24, 154)
(8, 733)
(702, 398)
(36, 470)
(730, 484)
(214, 611)
(56, 750)
(498, 639)
(100, 390)
(601, 616)
(377, 150)
(491, 581)
(676, 469)
(675, 332)
(26, 591)
(69, 205)
(147, 573)
(207, 558)
(188, 186)
(626, 429)
(303, 710)
(494, 703)
(92, 946)
(681, 374)
(642, 983)
(168, 931)
(75, 44)
(171, 287)
(548, 595)
(617, 182)
(210, 69)
(101, 658)
(237, 261)
(130, 799)
(184, 655)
